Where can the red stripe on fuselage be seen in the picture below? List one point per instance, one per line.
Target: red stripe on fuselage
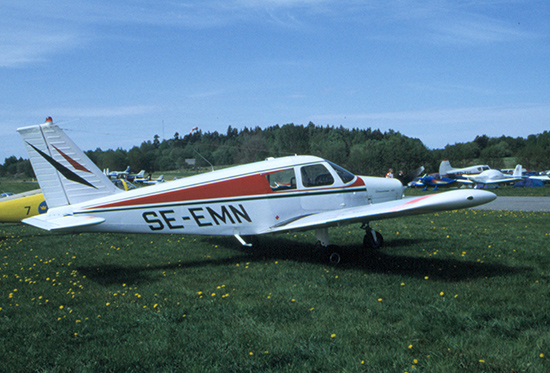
(238, 187)
(246, 186)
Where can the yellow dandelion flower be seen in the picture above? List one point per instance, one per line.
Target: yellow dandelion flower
(332, 335)
(442, 293)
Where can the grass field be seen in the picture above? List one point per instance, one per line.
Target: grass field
(457, 291)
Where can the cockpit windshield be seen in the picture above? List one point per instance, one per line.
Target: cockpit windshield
(344, 174)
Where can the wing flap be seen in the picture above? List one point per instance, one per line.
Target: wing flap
(452, 200)
(63, 223)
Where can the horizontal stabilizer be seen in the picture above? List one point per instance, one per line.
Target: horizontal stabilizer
(64, 223)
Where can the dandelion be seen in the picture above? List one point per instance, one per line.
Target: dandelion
(541, 355)
(380, 299)
(442, 293)
(410, 346)
(332, 335)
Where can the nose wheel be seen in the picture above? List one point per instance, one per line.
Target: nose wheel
(372, 239)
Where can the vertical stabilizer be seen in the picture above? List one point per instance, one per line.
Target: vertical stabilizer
(445, 167)
(517, 171)
(65, 174)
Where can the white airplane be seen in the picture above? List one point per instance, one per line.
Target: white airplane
(117, 174)
(276, 195)
(148, 181)
(445, 169)
(493, 177)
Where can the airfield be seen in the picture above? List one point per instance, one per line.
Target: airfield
(518, 204)
(452, 291)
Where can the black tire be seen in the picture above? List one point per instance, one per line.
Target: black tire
(369, 242)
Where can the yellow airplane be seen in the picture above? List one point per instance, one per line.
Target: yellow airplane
(20, 206)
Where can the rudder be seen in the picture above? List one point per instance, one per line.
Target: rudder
(65, 174)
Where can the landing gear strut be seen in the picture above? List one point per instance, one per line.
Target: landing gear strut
(333, 253)
(372, 239)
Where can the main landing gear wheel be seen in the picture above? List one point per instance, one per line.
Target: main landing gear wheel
(334, 256)
(372, 239)
(331, 253)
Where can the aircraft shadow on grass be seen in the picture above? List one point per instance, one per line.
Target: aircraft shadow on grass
(355, 257)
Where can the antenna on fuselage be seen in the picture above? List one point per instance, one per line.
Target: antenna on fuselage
(207, 161)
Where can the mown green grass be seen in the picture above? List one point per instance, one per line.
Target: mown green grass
(456, 291)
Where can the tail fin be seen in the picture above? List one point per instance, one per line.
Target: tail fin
(65, 174)
(517, 171)
(140, 174)
(445, 167)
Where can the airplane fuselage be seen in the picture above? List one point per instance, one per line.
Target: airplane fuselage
(244, 200)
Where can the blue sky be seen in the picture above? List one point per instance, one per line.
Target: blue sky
(115, 73)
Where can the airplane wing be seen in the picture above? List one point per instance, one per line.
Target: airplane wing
(62, 223)
(452, 200)
(500, 181)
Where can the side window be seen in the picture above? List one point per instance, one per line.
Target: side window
(282, 180)
(344, 174)
(316, 175)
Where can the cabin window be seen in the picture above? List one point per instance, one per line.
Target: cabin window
(344, 174)
(282, 180)
(316, 175)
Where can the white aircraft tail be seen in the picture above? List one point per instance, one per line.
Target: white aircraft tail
(445, 167)
(65, 174)
(517, 171)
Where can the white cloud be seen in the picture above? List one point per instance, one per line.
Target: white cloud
(26, 46)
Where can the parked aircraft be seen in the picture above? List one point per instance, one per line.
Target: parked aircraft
(276, 195)
(24, 205)
(436, 181)
(148, 181)
(19, 206)
(446, 170)
(117, 174)
(494, 177)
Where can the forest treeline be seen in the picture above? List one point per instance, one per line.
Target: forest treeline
(362, 151)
